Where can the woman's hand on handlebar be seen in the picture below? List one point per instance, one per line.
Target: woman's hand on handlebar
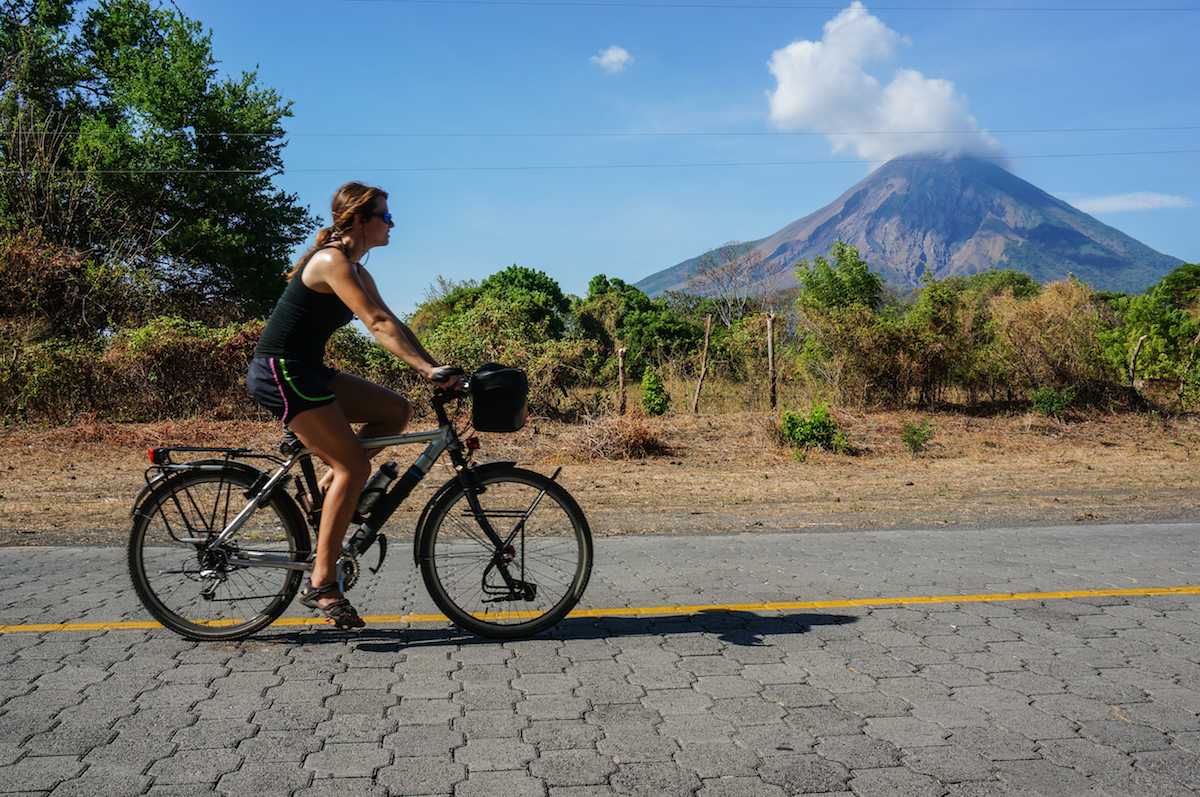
(447, 377)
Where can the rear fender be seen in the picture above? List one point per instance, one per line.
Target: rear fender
(481, 470)
(164, 477)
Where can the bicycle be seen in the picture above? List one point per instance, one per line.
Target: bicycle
(487, 577)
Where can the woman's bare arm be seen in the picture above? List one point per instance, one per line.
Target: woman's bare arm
(340, 275)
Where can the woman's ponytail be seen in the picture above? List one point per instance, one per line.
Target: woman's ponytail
(350, 200)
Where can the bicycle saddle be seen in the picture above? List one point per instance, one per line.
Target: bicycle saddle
(290, 444)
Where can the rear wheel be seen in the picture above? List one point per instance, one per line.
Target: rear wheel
(530, 582)
(194, 589)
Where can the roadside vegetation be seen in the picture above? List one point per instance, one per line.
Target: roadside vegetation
(134, 281)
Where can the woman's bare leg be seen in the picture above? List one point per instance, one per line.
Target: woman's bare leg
(326, 431)
(380, 410)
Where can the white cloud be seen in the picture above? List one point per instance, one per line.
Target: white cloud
(1139, 200)
(825, 86)
(613, 59)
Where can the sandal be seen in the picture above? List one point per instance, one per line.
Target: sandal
(340, 611)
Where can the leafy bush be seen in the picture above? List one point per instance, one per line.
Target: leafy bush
(916, 436)
(655, 400)
(1055, 340)
(817, 429)
(1053, 403)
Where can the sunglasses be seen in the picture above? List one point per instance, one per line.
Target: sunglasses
(387, 217)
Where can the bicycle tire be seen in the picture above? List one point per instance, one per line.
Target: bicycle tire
(290, 519)
(470, 621)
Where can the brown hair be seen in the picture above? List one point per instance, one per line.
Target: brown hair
(352, 199)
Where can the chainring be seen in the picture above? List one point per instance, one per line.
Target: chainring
(351, 570)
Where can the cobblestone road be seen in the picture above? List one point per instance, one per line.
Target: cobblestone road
(1057, 697)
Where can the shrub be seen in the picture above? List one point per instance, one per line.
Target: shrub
(1055, 340)
(655, 400)
(1053, 403)
(818, 429)
(916, 436)
(616, 437)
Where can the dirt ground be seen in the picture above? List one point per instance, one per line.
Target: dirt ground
(722, 473)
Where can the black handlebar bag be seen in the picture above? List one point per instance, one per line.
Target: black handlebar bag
(499, 398)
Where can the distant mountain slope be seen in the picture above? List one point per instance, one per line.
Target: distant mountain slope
(950, 216)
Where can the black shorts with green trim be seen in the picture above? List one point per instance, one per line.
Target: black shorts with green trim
(288, 387)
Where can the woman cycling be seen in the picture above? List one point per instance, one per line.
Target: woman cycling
(326, 289)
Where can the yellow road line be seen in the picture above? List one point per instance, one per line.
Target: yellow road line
(661, 611)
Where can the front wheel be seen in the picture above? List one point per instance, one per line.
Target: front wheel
(527, 583)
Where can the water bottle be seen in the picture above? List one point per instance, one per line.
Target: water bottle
(378, 485)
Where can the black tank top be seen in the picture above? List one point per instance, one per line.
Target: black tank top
(301, 323)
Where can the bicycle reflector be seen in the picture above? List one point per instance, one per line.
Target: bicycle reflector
(157, 456)
(472, 443)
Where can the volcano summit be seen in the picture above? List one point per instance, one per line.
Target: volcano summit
(948, 216)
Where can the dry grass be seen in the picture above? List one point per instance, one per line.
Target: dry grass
(614, 438)
(723, 472)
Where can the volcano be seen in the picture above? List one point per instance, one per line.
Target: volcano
(947, 216)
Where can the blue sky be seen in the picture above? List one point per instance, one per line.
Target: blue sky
(377, 66)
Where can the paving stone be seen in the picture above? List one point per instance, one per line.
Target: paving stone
(801, 695)
(774, 740)
(350, 728)
(1073, 707)
(1124, 736)
(424, 741)
(1084, 755)
(653, 780)
(714, 759)
(194, 766)
(509, 784)
(553, 707)
(419, 711)
(261, 778)
(824, 721)
(738, 787)
(677, 701)
(948, 763)
(38, 774)
(423, 775)
(1159, 716)
(1178, 765)
(103, 783)
(210, 734)
(858, 752)
(490, 723)
(748, 711)
(355, 760)
(571, 767)
(696, 728)
(279, 746)
(994, 744)
(905, 731)
(343, 787)
(561, 735)
(894, 781)
(721, 686)
(494, 754)
(72, 741)
(1042, 777)
(804, 773)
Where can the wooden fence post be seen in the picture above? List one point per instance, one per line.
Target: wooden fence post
(771, 355)
(621, 380)
(703, 364)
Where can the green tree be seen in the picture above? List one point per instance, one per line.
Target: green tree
(845, 282)
(655, 399)
(135, 106)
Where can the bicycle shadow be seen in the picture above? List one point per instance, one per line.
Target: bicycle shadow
(744, 629)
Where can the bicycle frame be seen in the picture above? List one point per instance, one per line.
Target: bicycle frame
(438, 441)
